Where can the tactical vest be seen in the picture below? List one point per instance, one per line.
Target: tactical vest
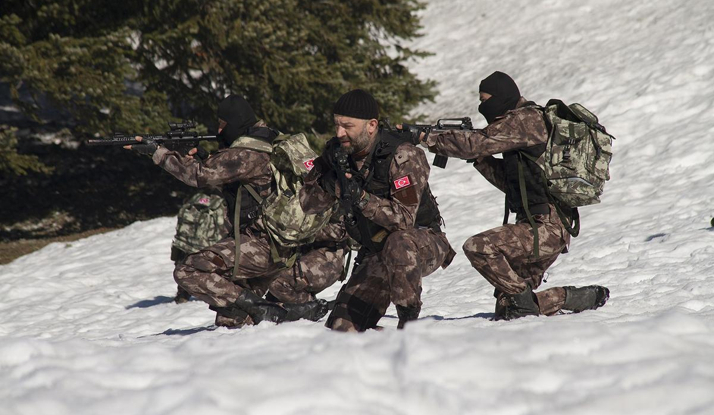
(535, 191)
(378, 183)
(250, 208)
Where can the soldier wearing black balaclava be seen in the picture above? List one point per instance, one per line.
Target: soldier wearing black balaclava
(208, 274)
(506, 256)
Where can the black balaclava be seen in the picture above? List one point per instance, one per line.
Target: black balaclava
(504, 95)
(235, 111)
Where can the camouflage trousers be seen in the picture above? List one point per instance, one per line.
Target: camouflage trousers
(314, 271)
(504, 257)
(392, 275)
(208, 274)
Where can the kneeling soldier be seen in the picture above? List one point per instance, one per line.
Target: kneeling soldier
(381, 179)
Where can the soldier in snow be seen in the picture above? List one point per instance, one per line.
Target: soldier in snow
(209, 275)
(504, 256)
(381, 180)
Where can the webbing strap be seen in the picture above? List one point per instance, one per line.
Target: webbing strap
(253, 193)
(573, 227)
(524, 200)
(236, 232)
(347, 265)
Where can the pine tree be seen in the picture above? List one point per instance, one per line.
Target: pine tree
(130, 65)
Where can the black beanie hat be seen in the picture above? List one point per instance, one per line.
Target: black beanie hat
(357, 104)
(239, 115)
(504, 95)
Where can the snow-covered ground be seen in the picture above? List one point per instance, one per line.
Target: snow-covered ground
(88, 327)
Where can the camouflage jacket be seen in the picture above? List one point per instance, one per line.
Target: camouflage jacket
(396, 212)
(518, 129)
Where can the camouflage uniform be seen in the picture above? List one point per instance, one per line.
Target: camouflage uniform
(505, 255)
(208, 274)
(319, 266)
(409, 253)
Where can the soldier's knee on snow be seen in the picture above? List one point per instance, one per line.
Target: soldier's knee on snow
(351, 311)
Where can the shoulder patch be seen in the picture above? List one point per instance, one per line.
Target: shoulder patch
(402, 182)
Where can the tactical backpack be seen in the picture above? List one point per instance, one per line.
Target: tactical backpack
(287, 225)
(201, 222)
(575, 163)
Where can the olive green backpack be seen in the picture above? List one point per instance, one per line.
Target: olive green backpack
(575, 164)
(287, 225)
(201, 222)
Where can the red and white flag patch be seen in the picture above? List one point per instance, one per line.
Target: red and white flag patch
(204, 201)
(402, 182)
(309, 164)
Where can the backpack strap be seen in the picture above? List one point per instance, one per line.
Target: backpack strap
(571, 224)
(236, 232)
(524, 201)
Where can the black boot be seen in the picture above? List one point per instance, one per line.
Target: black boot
(182, 296)
(511, 306)
(260, 309)
(407, 314)
(311, 310)
(579, 299)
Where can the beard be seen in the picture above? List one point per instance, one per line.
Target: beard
(357, 143)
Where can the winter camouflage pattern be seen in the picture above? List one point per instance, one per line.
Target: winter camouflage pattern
(202, 221)
(504, 257)
(577, 157)
(393, 275)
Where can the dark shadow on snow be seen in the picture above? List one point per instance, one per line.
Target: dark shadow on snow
(488, 316)
(161, 299)
(186, 332)
(655, 236)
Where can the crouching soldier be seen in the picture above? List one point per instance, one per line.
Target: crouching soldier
(233, 290)
(381, 180)
(507, 256)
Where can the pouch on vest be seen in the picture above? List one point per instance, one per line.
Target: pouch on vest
(201, 222)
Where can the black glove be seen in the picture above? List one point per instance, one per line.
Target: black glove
(327, 182)
(351, 191)
(147, 149)
(415, 132)
(201, 153)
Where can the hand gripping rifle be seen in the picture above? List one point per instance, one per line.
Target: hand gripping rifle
(441, 125)
(181, 137)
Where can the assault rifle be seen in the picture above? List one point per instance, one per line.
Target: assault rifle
(441, 125)
(342, 166)
(181, 137)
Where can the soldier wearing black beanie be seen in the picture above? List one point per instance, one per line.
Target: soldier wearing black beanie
(381, 180)
(357, 104)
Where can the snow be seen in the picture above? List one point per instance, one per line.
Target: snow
(89, 327)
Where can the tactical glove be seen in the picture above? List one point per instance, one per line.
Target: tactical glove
(351, 192)
(148, 149)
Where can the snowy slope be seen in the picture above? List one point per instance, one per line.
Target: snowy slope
(88, 327)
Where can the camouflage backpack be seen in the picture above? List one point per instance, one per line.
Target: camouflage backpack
(285, 222)
(201, 222)
(575, 163)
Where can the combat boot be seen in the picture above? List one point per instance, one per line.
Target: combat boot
(511, 306)
(407, 314)
(182, 296)
(231, 317)
(311, 310)
(579, 299)
(260, 309)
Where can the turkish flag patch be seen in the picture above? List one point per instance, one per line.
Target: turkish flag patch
(309, 164)
(402, 182)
